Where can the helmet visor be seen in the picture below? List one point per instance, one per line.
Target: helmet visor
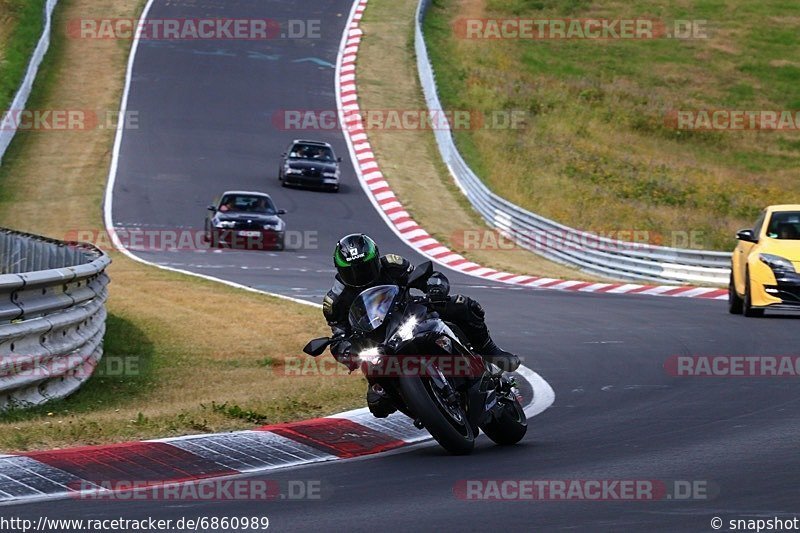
(359, 275)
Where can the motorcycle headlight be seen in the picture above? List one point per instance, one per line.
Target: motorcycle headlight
(406, 330)
(370, 355)
(222, 224)
(776, 262)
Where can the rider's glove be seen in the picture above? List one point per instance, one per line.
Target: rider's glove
(342, 352)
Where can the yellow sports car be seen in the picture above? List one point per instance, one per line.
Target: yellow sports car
(766, 262)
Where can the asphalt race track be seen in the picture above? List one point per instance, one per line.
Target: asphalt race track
(205, 125)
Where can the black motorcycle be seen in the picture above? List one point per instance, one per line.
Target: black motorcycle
(427, 368)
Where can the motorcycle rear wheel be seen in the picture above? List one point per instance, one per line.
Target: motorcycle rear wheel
(510, 426)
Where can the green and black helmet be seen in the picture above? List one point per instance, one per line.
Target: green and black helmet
(357, 260)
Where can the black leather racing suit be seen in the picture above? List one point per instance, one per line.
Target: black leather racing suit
(466, 313)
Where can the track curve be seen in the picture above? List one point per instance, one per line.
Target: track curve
(205, 111)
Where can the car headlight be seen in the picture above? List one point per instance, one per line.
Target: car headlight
(273, 227)
(370, 355)
(290, 170)
(776, 262)
(330, 174)
(224, 224)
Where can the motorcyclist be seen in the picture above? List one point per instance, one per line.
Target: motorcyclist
(360, 266)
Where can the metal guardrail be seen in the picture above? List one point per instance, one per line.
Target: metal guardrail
(8, 123)
(589, 252)
(52, 316)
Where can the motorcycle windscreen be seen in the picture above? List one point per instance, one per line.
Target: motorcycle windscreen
(370, 308)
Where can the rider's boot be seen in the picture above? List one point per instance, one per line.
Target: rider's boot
(490, 351)
(379, 403)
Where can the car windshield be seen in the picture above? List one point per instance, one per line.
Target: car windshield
(784, 225)
(247, 203)
(311, 151)
(370, 308)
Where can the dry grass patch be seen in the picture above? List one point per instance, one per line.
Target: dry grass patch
(198, 356)
(598, 153)
(20, 28)
(196, 361)
(410, 160)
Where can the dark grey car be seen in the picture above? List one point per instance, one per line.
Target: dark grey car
(310, 164)
(245, 220)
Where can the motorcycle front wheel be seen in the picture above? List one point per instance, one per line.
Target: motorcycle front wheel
(447, 423)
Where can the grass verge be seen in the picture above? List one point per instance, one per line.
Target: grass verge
(598, 152)
(182, 355)
(21, 24)
(388, 80)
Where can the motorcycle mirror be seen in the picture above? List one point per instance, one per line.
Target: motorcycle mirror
(420, 276)
(315, 347)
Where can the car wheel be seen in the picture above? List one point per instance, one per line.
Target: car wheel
(749, 310)
(208, 238)
(281, 243)
(735, 303)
